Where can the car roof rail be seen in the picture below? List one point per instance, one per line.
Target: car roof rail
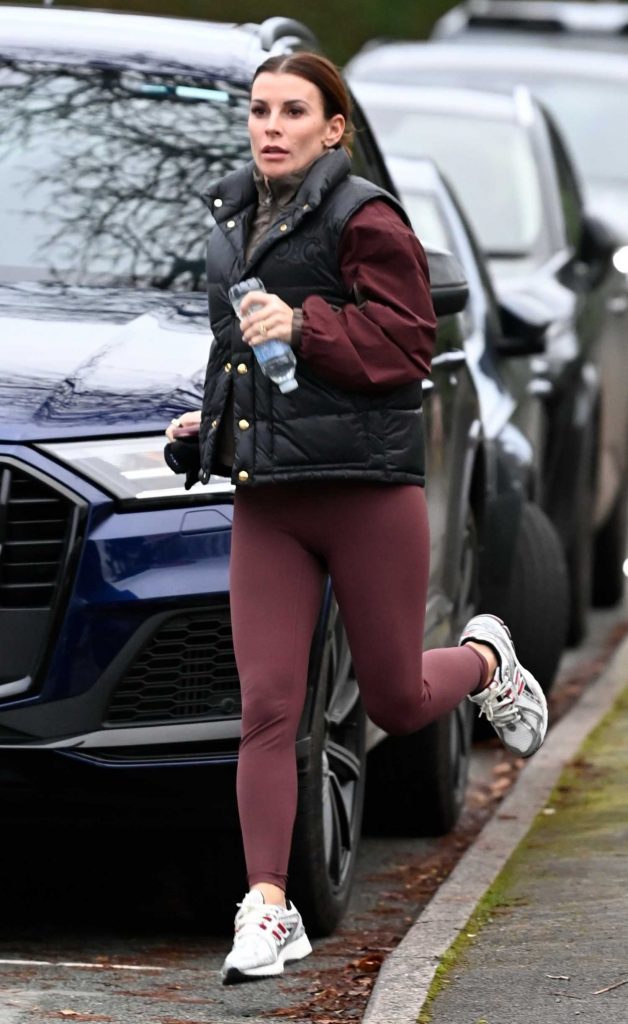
(536, 16)
(541, 25)
(288, 31)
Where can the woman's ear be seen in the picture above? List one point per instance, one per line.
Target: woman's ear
(334, 131)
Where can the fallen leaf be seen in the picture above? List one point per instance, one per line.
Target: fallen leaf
(369, 963)
(499, 787)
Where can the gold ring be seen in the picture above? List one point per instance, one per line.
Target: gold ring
(262, 330)
(175, 423)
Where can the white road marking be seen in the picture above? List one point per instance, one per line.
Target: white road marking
(78, 963)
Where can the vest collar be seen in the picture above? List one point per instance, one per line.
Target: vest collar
(232, 195)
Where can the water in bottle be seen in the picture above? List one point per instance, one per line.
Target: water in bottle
(276, 359)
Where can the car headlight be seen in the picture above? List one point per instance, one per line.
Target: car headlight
(620, 259)
(131, 468)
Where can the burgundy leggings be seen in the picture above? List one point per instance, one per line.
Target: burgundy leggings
(374, 542)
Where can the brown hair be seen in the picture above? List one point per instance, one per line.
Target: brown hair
(325, 76)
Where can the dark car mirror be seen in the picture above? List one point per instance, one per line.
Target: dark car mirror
(598, 242)
(524, 322)
(449, 286)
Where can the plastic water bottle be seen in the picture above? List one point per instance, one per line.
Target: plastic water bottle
(276, 359)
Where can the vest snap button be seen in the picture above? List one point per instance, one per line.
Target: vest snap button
(243, 476)
(242, 368)
(244, 424)
(217, 202)
(283, 227)
(227, 367)
(230, 223)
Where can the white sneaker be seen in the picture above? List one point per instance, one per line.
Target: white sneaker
(513, 702)
(266, 937)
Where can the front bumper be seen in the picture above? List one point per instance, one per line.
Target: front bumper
(135, 663)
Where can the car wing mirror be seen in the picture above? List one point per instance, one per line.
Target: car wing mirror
(597, 246)
(449, 286)
(524, 322)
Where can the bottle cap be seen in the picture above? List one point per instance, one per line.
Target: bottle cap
(288, 385)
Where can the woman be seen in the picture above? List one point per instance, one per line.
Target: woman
(330, 477)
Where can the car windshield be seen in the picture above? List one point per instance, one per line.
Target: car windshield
(590, 114)
(590, 111)
(497, 181)
(101, 170)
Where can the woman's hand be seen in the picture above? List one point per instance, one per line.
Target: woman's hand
(186, 419)
(272, 318)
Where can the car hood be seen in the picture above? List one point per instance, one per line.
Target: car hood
(93, 362)
(609, 200)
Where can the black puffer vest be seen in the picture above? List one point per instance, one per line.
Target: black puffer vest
(319, 431)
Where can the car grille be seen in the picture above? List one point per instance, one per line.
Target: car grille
(40, 530)
(186, 671)
(35, 523)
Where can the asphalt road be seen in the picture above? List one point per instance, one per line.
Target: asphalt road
(100, 917)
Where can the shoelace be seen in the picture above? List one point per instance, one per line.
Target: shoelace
(501, 709)
(503, 714)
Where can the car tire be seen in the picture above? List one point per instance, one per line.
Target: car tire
(331, 791)
(579, 551)
(417, 783)
(536, 608)
(610, 553)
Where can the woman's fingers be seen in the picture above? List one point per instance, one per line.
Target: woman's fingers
(260, 299)
(271, 318)
(278, 328)
(186, 419)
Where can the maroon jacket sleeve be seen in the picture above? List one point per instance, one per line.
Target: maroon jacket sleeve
(386, 337)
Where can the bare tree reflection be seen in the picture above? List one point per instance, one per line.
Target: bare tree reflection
(103, 169)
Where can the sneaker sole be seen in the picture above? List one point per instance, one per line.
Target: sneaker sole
(297, 950)
(534, 685)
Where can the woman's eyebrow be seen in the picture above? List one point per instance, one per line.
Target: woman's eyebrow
(284, 103)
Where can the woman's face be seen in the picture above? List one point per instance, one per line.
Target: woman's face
(287, 124)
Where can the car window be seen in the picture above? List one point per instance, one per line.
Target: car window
(430, 223)
(101, 171)
(497, 181)
(427, 219)
(569, 189)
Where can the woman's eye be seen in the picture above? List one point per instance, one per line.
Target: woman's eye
(257, 111)
(296, 111)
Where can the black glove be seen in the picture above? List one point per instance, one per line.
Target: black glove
(184, 456)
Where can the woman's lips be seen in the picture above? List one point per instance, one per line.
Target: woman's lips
(274, 151)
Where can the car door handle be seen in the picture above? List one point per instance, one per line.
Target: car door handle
(617, 304)
(450, 359)
(540, 388)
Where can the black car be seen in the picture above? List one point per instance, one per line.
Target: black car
(117, 674)
(536, 600)
(509, 165)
